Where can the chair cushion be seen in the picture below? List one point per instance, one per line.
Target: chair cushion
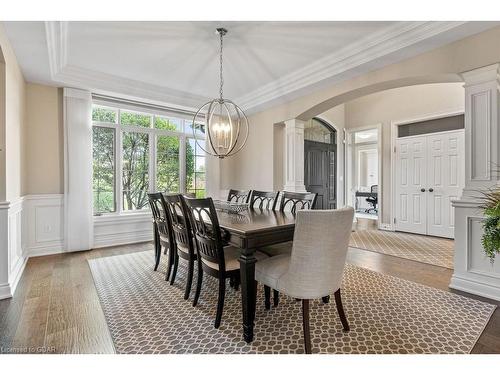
(278, 249)
(269, 271)
(231, 255)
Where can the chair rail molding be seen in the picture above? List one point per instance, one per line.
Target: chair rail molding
(473, 271)
(294, 156)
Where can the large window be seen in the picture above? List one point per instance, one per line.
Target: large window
(139, 152)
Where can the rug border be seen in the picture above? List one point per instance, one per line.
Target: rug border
(494, 307)
(101, 304)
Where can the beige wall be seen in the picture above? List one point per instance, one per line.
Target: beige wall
(13, 121)
(397, 105)
(44, 140)
(254, 166)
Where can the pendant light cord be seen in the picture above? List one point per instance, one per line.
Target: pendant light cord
(221, 92)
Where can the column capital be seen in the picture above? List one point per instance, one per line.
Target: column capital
(295, 123)
(482, 75)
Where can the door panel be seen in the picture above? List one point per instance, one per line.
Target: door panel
(410, 178)
(319, 172)
(446, 171)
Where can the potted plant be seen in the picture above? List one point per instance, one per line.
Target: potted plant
(491, 224)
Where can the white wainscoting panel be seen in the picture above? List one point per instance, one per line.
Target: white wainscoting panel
(44, 221)
(473, 271)
(17, 256)
(113, 230)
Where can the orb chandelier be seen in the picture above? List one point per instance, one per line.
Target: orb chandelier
(226, 125)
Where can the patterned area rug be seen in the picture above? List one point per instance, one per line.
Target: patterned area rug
(386, 314)
(426, 249)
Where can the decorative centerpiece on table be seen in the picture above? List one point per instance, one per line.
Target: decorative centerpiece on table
(230, 207)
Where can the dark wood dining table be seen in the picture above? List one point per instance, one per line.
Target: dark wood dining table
(248, 231)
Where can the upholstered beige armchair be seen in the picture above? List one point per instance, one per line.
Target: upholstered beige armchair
(315, 265)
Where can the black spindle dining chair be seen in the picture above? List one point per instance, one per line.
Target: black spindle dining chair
(264, 199)
(213, 258)
(297, 201)
(183, 236)
(162, 226)
(238, 196)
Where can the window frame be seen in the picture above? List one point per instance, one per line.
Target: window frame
(153, 134)
(195, 172)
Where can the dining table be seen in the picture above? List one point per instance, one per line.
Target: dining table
(250, 230)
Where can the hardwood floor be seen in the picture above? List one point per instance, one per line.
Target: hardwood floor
(56, 307)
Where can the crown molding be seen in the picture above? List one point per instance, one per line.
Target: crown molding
(108, 83)
(482, 75)
(332, 67)
(368, 49)
(56, 33)
(71, 75)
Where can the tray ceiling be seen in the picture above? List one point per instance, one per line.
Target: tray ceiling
(177, 62)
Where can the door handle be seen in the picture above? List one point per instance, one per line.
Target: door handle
(431, 190)
(422, 190)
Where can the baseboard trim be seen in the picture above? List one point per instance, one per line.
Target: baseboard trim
(42, 250)
(5, 291)
(475, 287)
(18, 272)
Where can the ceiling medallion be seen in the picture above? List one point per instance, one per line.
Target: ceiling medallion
(226, 125)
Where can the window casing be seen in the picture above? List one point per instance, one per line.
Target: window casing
(148, 154)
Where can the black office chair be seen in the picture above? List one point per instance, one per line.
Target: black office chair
(372, 201)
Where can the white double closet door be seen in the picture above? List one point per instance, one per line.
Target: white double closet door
(430, 174)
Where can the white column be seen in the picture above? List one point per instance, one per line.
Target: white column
(294, 156)
(481, 129)
(78, 211)
(473, 271)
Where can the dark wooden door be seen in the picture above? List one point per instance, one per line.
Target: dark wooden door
(320, 172)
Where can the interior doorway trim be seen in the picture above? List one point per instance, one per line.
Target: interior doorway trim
(349, 134)
(394, 136)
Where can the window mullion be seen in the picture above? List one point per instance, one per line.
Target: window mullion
(119, 167)
(152, 162)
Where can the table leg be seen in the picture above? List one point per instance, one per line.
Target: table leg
(248, 291)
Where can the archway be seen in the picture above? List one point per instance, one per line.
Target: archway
(316, 111)
(347, 96)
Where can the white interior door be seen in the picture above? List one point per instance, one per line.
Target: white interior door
(445, 180)
(411, 204)
(430, 173)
